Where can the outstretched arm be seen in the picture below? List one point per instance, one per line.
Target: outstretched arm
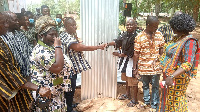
(81, 47)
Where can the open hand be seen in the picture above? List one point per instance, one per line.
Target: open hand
(45, 92)
(135, 73)
(57, 41)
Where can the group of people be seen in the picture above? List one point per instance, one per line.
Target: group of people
(40, 58)
(39, 62)
(170, 51)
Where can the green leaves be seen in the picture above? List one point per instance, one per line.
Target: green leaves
(58, 7)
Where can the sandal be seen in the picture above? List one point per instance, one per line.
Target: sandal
(152, 110)
(143, 106)
(132, 103)
(123, 97)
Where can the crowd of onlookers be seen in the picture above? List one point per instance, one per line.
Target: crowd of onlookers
(40, 58)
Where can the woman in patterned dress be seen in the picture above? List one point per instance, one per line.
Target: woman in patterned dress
(48, 66)
(179, 64)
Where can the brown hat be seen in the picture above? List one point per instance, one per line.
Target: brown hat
(44, 24)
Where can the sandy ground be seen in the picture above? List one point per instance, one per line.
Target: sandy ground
(114, 105)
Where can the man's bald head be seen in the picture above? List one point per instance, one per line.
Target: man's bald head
(152, 24)
(151, 19)
(130, 20)
(131, 25)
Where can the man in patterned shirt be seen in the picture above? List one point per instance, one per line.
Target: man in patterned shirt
(74, 48)
(15, 82)
(148, 47)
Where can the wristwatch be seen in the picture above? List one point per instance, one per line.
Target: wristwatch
(58, 47)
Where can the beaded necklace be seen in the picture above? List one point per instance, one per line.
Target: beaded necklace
(175, 39)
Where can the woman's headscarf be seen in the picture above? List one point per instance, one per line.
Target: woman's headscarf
(44, 24)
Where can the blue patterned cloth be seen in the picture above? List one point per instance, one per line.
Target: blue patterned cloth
(167, 32)
(21, 50)
(79, 63)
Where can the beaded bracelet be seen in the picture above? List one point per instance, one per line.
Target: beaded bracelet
(172, 76)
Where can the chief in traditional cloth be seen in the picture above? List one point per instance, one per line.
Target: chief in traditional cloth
(15, 87)
(126, 42)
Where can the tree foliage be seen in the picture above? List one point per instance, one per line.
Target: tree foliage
(58, 6)
(165, 6)
(138, 6)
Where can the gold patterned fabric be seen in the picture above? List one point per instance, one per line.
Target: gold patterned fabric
(148, 52)
(12, 97)
(176, 100)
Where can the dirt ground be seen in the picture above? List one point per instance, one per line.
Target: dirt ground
(114, 105)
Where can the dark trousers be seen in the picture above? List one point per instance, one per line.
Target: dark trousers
(70, 95)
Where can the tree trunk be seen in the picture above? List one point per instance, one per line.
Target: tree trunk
(196, 11)
(136, 5)
(157, 7)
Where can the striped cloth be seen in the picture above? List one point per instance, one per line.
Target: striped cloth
(12, 98)
(79, 63)
(21, 50)
(148, 52)
(31, 36)
(126, 65)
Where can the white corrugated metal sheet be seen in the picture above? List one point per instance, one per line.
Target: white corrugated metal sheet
(16, 5)
(99, 23)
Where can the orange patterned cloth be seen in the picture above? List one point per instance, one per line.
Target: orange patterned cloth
(148, 52)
